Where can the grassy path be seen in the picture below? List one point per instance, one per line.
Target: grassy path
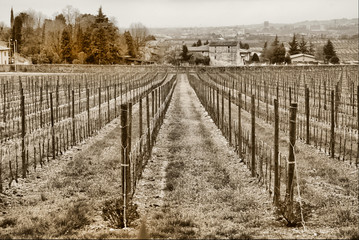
(195, 186)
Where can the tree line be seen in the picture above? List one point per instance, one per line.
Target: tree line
(72, 37)
(276, 52)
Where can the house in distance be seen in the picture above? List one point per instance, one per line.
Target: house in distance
(302, 58)
(227, 53)
(4, 55)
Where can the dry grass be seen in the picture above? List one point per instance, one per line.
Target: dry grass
(206, 197)
(73, 216)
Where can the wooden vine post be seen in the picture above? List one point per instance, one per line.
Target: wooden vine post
(148, 125)
(73, 119)
(52, 126)
(140, 118)
(276, 154)
(230, 117)
(23, 133)
(357, 161)
(253, 138)
(291, 162)
(218, 116)
(239, 126)
(88, 111)
(307, 115)
(332, 124)
(125, 165)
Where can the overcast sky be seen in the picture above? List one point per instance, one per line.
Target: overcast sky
(191, 13)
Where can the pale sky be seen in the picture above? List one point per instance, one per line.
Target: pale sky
(193, 13)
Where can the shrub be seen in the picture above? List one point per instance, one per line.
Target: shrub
(112, 211)
(334, 60)
(75, 218)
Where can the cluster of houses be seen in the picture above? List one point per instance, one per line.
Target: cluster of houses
(221, 53)
(229, 53)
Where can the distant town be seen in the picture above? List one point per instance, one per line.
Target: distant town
(74, 38)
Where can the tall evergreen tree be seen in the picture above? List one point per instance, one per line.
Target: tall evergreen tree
(101, 18)
(264, 55)
(130, 44)
(99, 45)
(17, 31)
(329, 52)
(66, 50)
(185, 56)
(303, 46)
(311, 49)
(199, 43)
(79, 40)
(86, 45)
(293, 49)
(12, 18)
(278, 55)
(275, 43)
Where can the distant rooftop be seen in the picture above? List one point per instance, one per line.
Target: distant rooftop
(223, 43)
(2, 48)
(301, 55)
(203, 48)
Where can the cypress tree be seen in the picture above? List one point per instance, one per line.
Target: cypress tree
(275, 43)
(12, 18)
(293, 49)
(184, 54)
(130, 44)
(66, 46)
(328, 51)
(17, 31)
(99, 45)
(79, 40)
(311, 50)
(86, 45)
(303, 46)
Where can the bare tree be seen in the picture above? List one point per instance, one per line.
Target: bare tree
(71, 14)
(139, 33)
(36, 19)
(39, 19)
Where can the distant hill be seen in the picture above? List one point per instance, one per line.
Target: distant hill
(333, 27)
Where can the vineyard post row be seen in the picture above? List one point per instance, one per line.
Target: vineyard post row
(38, 110)
(134, 160)
(287, 79)
(50, 141)
(251, 149)
(310, 131)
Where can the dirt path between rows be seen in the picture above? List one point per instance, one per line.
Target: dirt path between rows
(195, 186)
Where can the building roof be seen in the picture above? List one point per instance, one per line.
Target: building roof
(2, 48)
(203, 48)
(223, 43)
(301, 55)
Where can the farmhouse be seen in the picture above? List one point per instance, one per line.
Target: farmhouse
(302, 58)
(227, 53)
(4, 55)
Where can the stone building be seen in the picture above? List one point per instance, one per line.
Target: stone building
(227, 53)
